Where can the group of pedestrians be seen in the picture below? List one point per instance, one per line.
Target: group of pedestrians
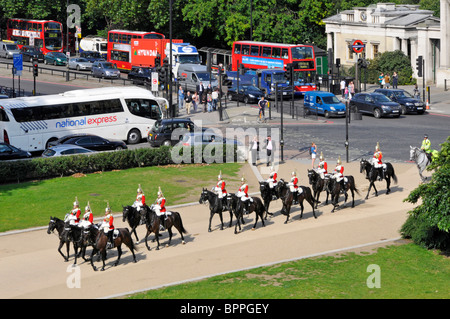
(385, 80)
(347, 91)
(204, 99)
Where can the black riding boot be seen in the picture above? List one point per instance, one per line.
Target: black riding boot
(110, 239)
(224, 204)
(162, 222)
(342, 185)
(274, 195)
(295, 195)
(380, 174)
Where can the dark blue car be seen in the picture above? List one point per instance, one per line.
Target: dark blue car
(407, 102)
(375, 103)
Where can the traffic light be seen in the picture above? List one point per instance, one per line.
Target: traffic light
(157, 60)
(163, 76)
(288, 73)
(35, 68)
(419, 64)
(241, 69)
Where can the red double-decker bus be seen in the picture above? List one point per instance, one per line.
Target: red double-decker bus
(262, 55)
(45, 34)
(119, 45)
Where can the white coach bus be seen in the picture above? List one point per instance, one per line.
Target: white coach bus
(122, 113)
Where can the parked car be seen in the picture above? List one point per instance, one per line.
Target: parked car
(325, 103)
(9, 152)
(407, 102)
(55, 58)
(92, 56)
(80, 64)
(31, 53)
(105, 70)
(64, 149)
(206, 138)
(375, 103)
(89, 141)
(161, 132)
(247, 94)
(140, 75)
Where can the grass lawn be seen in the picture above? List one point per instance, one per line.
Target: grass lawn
(31, 204)
(406, 271)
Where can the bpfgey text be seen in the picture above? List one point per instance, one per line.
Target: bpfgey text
(226, 308)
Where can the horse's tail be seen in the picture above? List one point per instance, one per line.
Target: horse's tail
(394, 177)
(182, 229)
(353, 185)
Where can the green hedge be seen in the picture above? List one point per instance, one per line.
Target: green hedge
(42, 168)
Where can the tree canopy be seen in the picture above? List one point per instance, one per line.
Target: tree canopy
(214, 23)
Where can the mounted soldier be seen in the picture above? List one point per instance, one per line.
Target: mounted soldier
(272, 181)
(322, 169)
(378, 164)
(160, 208)
(242, 193)
(221, 191)
(88, 217)
(73, 217)
(338, 173)
(293, 186)
(139, 203)
(108, 226)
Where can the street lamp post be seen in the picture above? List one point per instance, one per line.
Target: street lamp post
(170, 61)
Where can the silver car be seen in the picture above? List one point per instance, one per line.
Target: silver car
(80, 64)
(104, 69)
(65, 149)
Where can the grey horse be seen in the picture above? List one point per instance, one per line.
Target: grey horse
(420, 158)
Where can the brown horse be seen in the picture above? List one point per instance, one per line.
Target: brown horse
(101, 241)
(287, 198)
(335, 190)
(153, 223)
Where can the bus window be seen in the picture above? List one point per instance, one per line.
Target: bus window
(255, 50)
(276, 52)
(144, 108)
(245, 49)
(3, 116)
(266, 51)
(284, 53)
(237, 48)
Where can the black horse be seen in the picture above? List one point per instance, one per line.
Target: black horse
(215, 206)
(256, 206)
(335, 190)
(372, 175)
(66, 234)
(232, 201)
(100, 240)
(318, 185)
(267, 194)
(287, 198)
(134, 217)
(171, 219)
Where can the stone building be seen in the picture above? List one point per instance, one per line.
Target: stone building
(388, 27)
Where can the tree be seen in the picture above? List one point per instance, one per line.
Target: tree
(429, 223)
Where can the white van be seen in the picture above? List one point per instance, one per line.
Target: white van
(190, 75)
(8, 49)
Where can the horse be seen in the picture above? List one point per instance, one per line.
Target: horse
(66, 235)
(233, 201)
(334, 188)
(134, 217)
(420, 158)
(100, 241)
(372, 175)
(267, 195)
(256, 206)
(318, 185)
(215, 206)
(287, 198)
(171, 219)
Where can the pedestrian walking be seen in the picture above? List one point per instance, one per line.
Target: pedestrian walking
(351, 89)
(313, 152)
(215, 99)
(262, 104)
(195, 101)
(269, 149)
(180, 98)
(343, 88)
(254, 149)
(209, 101)
(188, 102)
(394, 80)
(387, 80)
(204, 100)
(381, 80)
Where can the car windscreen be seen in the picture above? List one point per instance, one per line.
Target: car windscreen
(203, 76)
(48, 152)
(253, 89)
(381, 98)
(403, 94)
(330, 100)
(109, 66)
(11, 47)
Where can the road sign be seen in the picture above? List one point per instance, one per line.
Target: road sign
(154, 81)
(358, 46)
(18, 64)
